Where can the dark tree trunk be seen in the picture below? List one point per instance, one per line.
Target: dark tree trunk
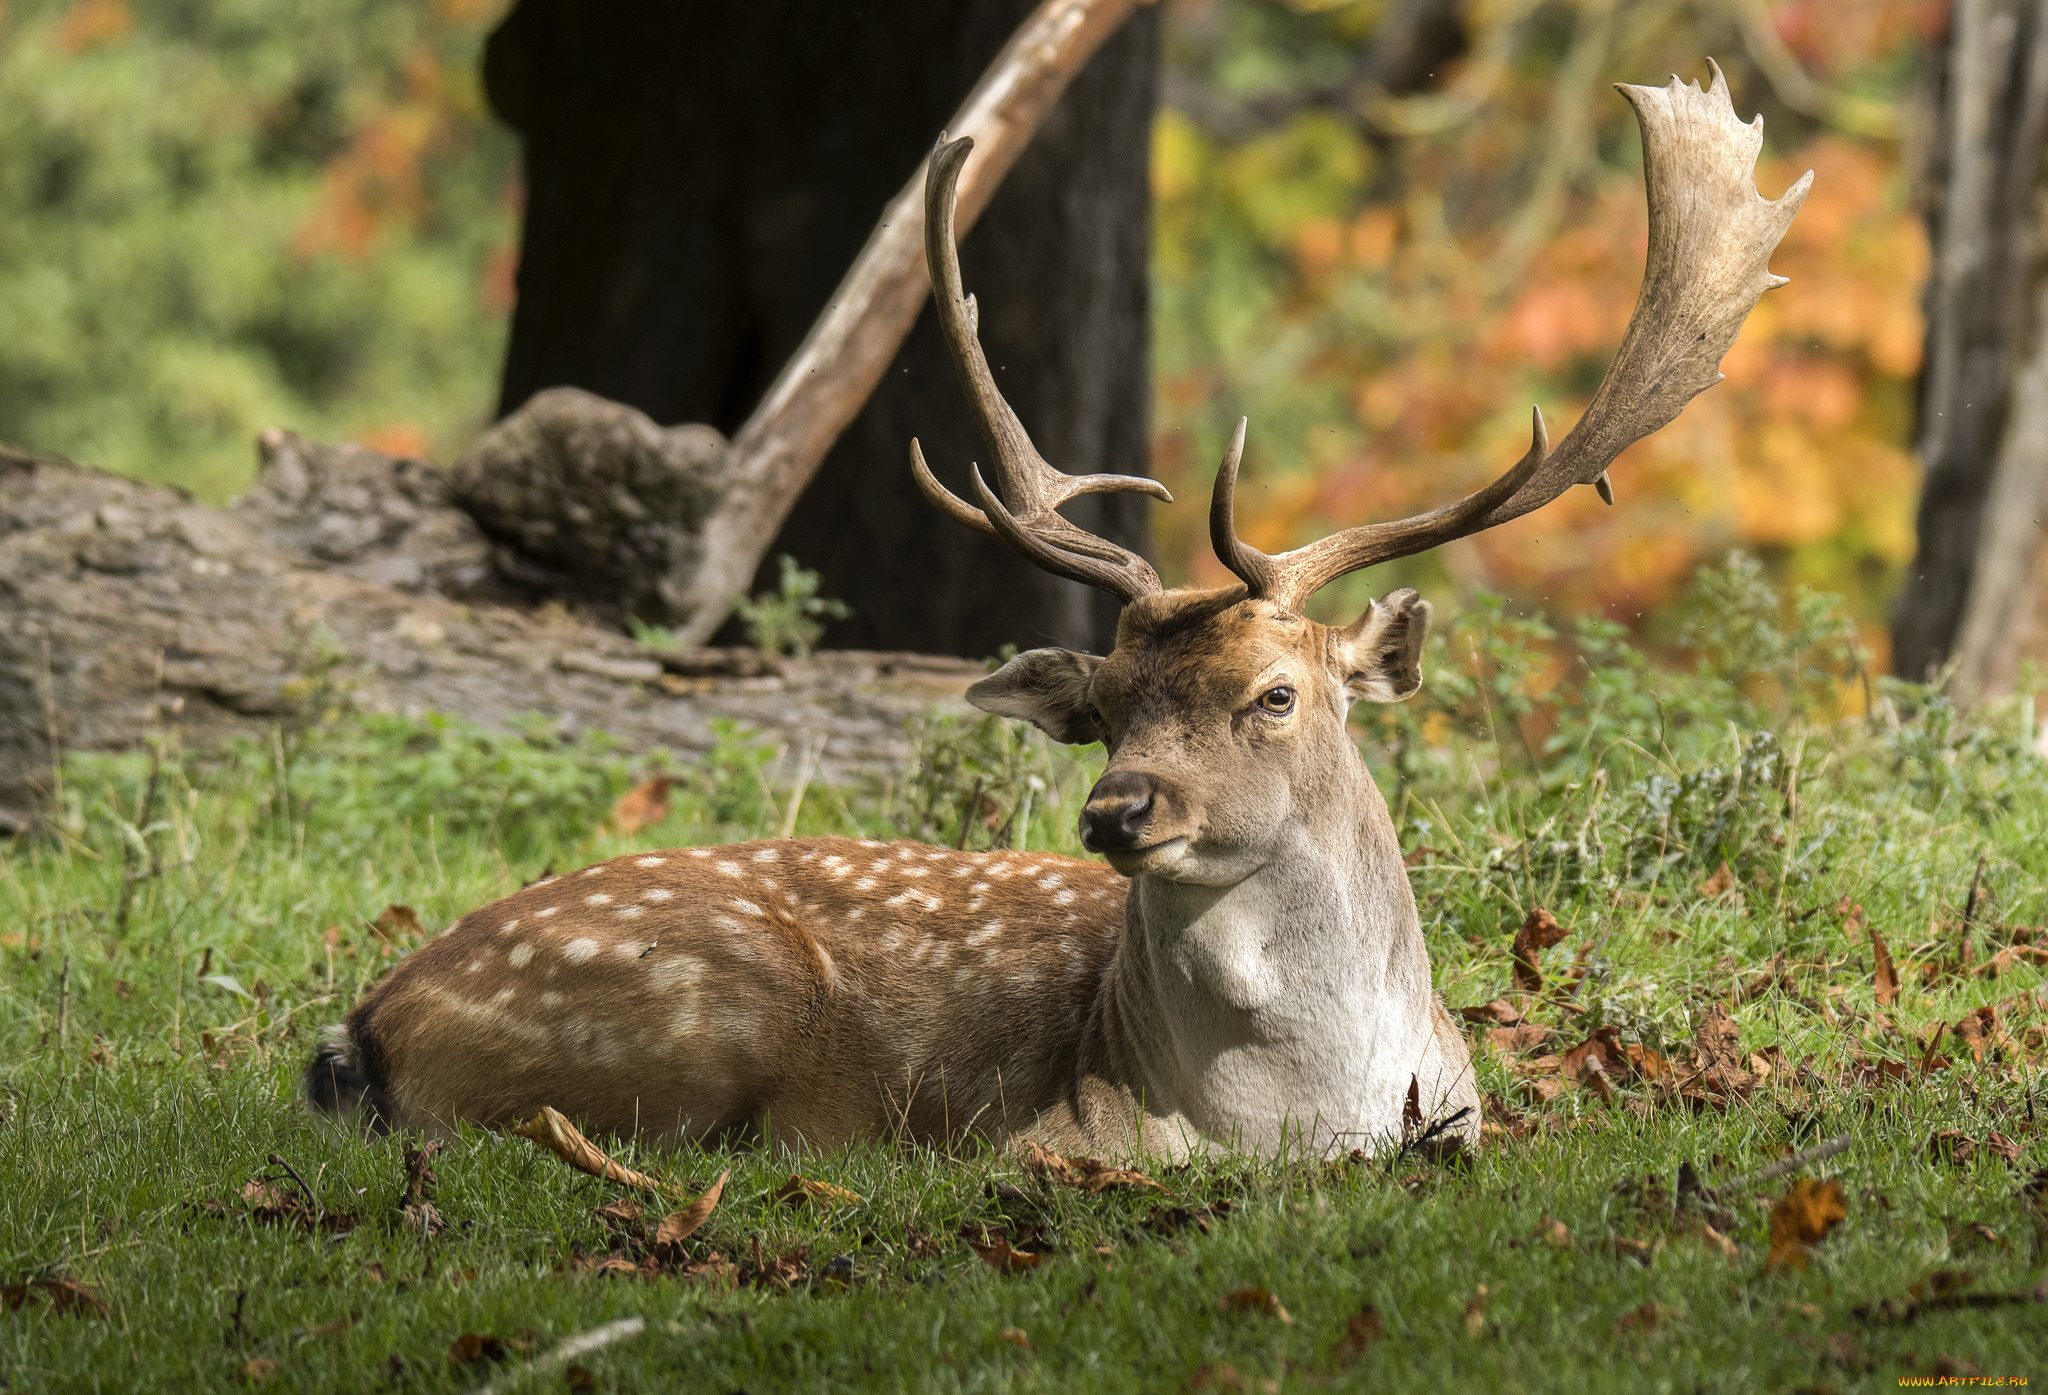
(700, 175)
(1984, 399)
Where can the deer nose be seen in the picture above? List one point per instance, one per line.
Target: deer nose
(1117, 810)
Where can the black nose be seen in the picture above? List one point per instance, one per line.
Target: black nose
(1118, 808)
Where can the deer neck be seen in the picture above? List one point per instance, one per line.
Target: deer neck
(1305, 983)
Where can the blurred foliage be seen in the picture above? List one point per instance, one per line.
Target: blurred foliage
(223, 215)
(218, 216)
(1384, 284)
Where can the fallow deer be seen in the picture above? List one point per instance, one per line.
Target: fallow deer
(1247, 972)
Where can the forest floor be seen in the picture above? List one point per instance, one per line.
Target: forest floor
(1771, 938)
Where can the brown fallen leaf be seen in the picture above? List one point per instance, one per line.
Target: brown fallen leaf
(1500, 1012)
(1554, 1234)
(1647, 1318)
(1255, 1300)
(423, 1217)
(64, 1296)
(678, 1226)
(1411, 1111)
(1361, 1330)
(997, 1254)
(1539, 932)
(472, 1347)
(1951, 1146)
(553, 1131)
(642, 806)
(398, 925)
(419, 1174)
(1718, 884)
(1523, 1036)
(1802, 1219)
(1475, 1312)
(1090, 1174)
(1854, 922)
(2001, 1147)
(799, 1190)
(1886, 975)
(624, 1214)
(1628, 1247)
(1716, 1240)
(258, 1369)
(1015, 1336)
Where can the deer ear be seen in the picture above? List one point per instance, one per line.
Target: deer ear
(1047, 688)
(1380, 656)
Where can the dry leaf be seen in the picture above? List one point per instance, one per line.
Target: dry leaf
(1887, 976)
(1523, 1036)
(63, 1295)
(1500, 1012)
(1718, 884)
(1090, 1174)
(1475, 1313)
(419, 1174)
(1539, 932)
(798, 1190)
(422, 1217)
(1951, 1146)
(1647, 1318)
(2002, 1147)
(998, 1255)
(1720, 1242)
(1554, 1233)
(472, 1347)
(1853, 920)
(678, 1226)
(1361, 1330)
(1016, 1337)
(552, 1131)
(642, 807)
(398, 925)
(1255, 1300)
(1802, 1219)
(257, 1369)
(1411, 1110)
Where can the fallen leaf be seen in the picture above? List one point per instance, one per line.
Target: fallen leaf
(1802, 1219)
(1475, 1313)
(65, 1297)
(1411, 1110)
(624, 1214)
(423, 1217)
(678, 1226)
(1627, 1247)
(1718, 884)
(1500, 1012)
(553, 1131)
(1015, 1336)
(419, 1174)
(1523, 1036)
(1255, 1300)
(799, 1190)
(1646, 1318)
(2001, 1147)
(1554, 1234)
(642, 807)
(997, 1255)
(1539, 932)
(1854, 923)
(1886, 975)
(1361, 1330)
(472, 1347)
(1090, 1174)
(1717, 1240)
(257, 1369)
(398, 924)
(1951, 1146)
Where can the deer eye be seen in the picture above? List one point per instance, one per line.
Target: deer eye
(1278, 701)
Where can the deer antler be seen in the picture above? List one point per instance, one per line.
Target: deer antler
(1024, 514)
(1711, 237)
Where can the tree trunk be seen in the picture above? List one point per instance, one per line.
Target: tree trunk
(1972, 592)
(698, 178)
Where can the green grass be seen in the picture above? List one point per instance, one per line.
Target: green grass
(138, 1086)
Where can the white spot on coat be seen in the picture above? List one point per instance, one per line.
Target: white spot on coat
(600, 899)
(576, 951)
(519, 955)
(656, 893)
(746, 907)
(547, 910)
(649, 861)
(509, 926)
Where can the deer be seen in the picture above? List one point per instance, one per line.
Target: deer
(1243, 971)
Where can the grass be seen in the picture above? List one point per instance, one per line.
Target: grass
(149, 1062)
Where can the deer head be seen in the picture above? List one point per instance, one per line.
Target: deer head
(1223, 711)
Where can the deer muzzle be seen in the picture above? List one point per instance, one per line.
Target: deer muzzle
(1119, 811)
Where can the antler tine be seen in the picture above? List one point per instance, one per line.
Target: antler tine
(1711, 238)
(1024, 513)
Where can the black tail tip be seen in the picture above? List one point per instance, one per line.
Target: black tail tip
(336, 1087)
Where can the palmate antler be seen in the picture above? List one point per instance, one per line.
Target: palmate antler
(1711, 237)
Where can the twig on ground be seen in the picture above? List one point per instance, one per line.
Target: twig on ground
(582, 1344)
(319, 1211)
(1828, 1149)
